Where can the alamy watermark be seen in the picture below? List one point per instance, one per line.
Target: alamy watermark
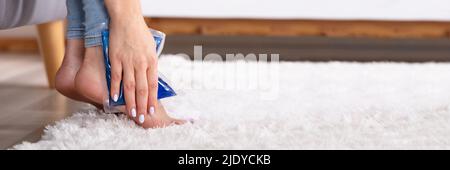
(238, 72)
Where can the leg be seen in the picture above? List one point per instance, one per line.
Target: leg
(65, 77)
(51, 42)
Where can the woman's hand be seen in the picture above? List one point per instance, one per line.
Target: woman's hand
(133, 59)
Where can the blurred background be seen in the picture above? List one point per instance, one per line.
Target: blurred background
(298, 30)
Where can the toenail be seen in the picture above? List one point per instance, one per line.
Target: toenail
(152, 110)
(116, 97)
(141, 118)
(133, 112)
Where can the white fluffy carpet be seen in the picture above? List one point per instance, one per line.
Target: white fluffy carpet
(302, 105)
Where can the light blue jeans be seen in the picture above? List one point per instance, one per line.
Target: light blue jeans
(87, 19)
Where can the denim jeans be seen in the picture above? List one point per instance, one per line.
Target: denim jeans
(87, 19)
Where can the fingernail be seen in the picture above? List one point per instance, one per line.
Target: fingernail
(133, 112)
(116, 97)
(152, 110)
(141, 118)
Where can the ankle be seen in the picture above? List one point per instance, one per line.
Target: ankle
(93, 53)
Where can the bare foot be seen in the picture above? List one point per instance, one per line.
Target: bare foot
(90, 81)
(65, 77)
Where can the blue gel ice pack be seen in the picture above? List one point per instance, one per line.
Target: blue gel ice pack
(164, 90)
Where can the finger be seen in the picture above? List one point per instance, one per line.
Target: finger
(129, 91)
(141, 91)
(152, 78)
(116, 78)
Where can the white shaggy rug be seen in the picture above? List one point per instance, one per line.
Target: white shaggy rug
(294, 105)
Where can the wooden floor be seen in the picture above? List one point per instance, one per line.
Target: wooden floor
(26, 104)
(302, 48)
(317, 48)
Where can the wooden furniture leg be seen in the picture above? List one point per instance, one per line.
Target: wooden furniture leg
(51, 44)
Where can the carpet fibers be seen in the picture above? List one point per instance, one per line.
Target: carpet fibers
(290, 105)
